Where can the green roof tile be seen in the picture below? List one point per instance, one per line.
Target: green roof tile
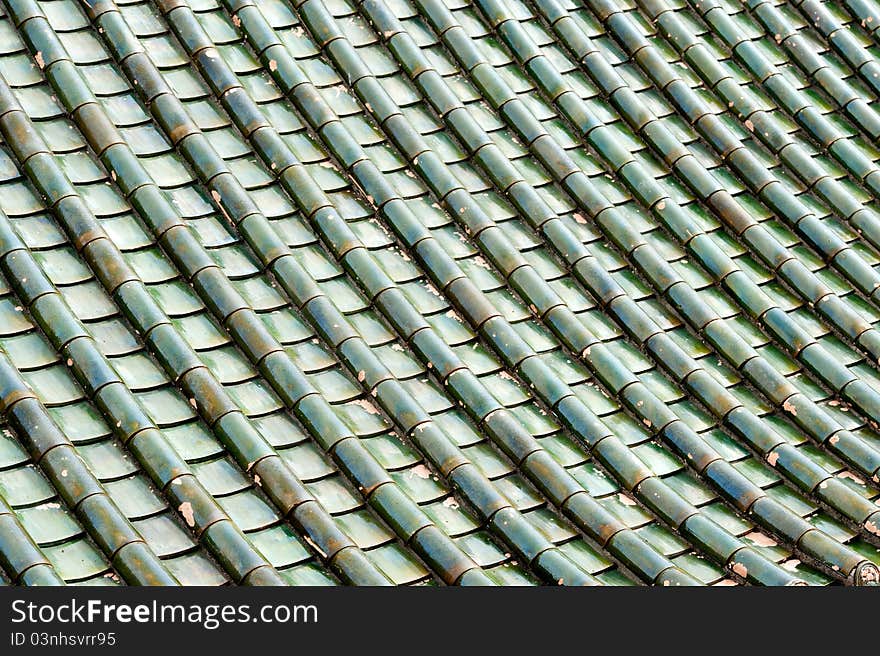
(494, 292)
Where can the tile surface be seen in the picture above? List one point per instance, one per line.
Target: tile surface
(439, 292)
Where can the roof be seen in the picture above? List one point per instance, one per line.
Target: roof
(507, 292)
